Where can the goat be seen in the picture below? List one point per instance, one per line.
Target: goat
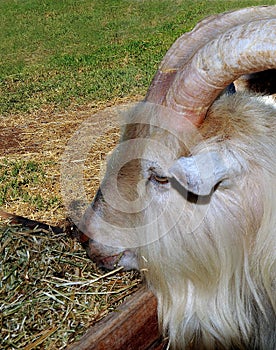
(189, 194)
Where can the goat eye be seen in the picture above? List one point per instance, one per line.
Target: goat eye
(160, 179)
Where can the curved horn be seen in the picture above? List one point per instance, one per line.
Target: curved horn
(245, 49)
(189, 43)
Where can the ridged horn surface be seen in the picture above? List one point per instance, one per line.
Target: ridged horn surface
(189, 43)
(244, 49)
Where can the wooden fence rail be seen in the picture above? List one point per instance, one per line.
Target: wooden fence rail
(133, 326)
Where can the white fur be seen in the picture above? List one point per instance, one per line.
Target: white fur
(215, 281)
(209, 260)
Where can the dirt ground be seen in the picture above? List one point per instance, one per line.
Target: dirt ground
(42, 137)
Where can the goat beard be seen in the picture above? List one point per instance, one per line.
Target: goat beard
(215, 283)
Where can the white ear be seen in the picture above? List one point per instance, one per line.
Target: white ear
(199, 174)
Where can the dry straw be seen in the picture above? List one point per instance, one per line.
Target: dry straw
(50, 292)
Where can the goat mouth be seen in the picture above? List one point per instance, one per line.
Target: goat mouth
(127, 260)
(110, 262)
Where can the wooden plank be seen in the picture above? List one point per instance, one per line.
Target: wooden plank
(133, 327)
(32, 224)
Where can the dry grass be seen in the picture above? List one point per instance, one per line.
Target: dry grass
(42, 137)
(50, 292)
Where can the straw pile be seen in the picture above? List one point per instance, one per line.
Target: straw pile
(50, 292)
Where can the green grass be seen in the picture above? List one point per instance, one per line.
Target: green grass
(78, 51)
(20, 181)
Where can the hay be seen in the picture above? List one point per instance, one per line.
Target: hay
(50, 291)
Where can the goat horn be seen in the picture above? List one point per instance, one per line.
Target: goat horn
(189, 43)
(245, 49)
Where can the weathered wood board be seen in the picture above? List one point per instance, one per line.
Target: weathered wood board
(133, 326)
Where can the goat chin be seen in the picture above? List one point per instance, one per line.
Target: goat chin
(213, 269)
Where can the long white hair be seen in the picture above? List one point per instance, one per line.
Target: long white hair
(213, 267)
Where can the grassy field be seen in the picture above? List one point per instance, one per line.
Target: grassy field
(59, 56)
(73, 52)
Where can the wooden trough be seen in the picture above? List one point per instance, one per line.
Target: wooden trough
(133, 326)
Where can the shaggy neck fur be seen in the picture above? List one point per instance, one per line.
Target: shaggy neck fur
(213, 272)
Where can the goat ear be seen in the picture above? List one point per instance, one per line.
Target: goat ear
(199, 174)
